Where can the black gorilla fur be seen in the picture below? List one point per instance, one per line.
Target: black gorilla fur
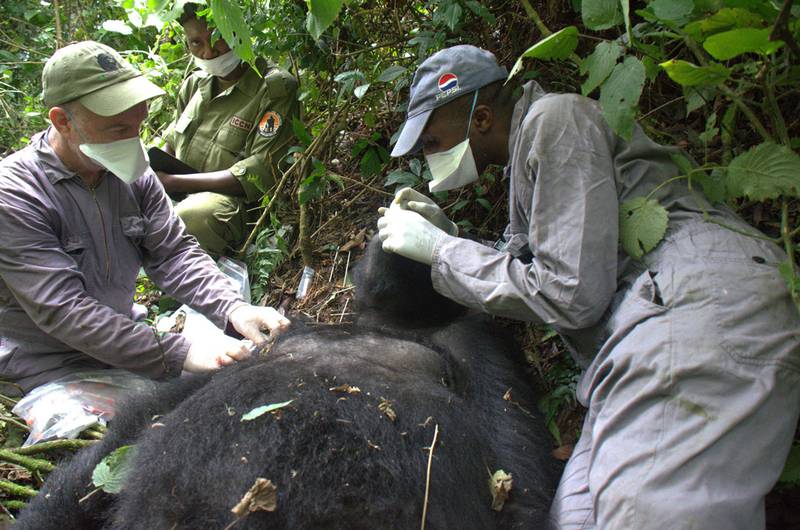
(337, 460)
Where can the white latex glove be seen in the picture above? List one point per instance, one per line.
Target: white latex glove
(410, 199)
(249, 320)
(409, 234)
(214, 352)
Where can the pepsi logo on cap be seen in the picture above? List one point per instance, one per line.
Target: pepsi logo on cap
(448, 81)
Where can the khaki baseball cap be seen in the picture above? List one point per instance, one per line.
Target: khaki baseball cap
(96, 76)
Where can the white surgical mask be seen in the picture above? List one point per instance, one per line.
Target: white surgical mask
(221, 65)
(124, 158)
(455, 167)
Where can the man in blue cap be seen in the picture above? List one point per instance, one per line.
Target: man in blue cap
(691, 355)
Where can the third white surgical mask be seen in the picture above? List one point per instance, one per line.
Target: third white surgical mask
(221, 65)
(124, 158)
(455, 167)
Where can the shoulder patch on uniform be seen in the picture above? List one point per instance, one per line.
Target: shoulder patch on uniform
(270, 122)
(239, 123)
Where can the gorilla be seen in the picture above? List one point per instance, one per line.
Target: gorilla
(351, 449)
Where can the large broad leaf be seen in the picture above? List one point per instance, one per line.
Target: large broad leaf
(725, 19)
(601, 14)
(599, 64)
(559, 45)
(675, 11)
(687, 74)
(321, 14)
(764, 172)
(619, 95)
(112, 471)
(229, 19)
(730, 44)
(642, 225)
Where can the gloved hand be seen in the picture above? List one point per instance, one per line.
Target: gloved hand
(212, 353)
(409, 234)
(410, 199)
(249, 320)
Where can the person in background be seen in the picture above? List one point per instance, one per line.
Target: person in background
(232, 124)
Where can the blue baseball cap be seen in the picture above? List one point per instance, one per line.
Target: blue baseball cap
(441, 78)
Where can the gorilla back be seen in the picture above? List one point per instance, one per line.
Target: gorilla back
(341, 457)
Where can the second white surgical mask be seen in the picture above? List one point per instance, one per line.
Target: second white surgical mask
(221, 65)
(455, 167)
(124, 158)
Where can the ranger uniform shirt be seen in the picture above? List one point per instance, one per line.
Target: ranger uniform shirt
(246, 128)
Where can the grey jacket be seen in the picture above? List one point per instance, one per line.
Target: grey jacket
(69, 258)
(563, 264)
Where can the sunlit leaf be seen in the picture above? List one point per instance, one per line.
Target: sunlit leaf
(117, 26)
(725, 19)
(321, 14)
(642, 225)
(559, 45)
(260, 411)
(599, 64)
(619, 95)
(230, 21)
(764, 172)
(360, 90)
(687, 74)
(730, 44)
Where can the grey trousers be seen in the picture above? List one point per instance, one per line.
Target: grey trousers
(693, 401)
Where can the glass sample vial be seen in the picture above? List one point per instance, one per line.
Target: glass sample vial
(305, 282)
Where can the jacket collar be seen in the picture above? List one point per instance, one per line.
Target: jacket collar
(56, 170)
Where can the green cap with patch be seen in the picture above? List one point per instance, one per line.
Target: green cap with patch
(96, 76)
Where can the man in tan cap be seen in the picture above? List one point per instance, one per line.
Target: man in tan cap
(80, 213)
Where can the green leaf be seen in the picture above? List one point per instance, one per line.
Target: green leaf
(260, 411)
(301, 132)
(725, 19)
(321, 14)
(601, 14)
(599, 64)
(370, 162)
(229, 19)
(619, 95)
(110, 474)
(626, 16)
(683, 163)
(791, 471)
(399, 176)
(764, 172)
(687, 74)
(642, 225)
(117, 26)
(391, 73)
(485, 203)
(452, 15)
(730, 44)
(415, 166)
(675, 11)
(713, 184)
(559, 45)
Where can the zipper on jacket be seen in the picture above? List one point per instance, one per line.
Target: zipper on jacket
(105, 235)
